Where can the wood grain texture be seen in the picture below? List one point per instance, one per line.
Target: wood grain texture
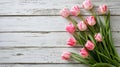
(32, 34)
(48, 7)
(43, 65)
(43, 23)
(53, 39)
(35, 55)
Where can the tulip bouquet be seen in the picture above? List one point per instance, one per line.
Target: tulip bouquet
(93, 33)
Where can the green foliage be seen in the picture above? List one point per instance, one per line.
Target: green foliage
(104, 54)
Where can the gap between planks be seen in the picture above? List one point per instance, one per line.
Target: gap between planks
(46, 8)
(40, 24)
(36, 55)
(43, 65)
(43, 15)
(11, 47)
(53, 39)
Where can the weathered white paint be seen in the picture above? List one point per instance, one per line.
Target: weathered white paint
(25, 31)
(43, 65)
(48, 7)
(35, 55)
(52, 39)
(43, 23)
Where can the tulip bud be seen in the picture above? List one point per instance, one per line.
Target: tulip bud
(75, 11)
(98, 37)
(89, 45)
(82, 26)
(84, 53)
(90, 20)
(66, 55)
(65, 12)
(70, 28)
(71, 41)
(102, 9)
(87, 5)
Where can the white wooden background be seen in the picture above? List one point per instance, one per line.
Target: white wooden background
(32, 34)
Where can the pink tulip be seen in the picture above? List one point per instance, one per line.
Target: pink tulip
(90, 21)
(66, 55)
(70, 28)
(89, 45)
(84, 53)
(98, 37)
(65, 12)
(102, 9)
(87, 5)
(82, 26)
(75, 11)
(71, 41)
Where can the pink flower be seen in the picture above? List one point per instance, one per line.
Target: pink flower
(71, 41)
(89, 45)
(82, 26)
(84, 53)
(102, 9)
(75, 11)
(98, 37)
(70, 28)
(91, 20)
(66, 55)
(65, 12)
(87, 5)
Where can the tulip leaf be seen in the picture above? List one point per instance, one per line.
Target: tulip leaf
(107, 21)
(102, 65)
(88, 60)
(92, 39)
(114, 62)
(79, 58)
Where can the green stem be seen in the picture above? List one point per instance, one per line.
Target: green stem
(80, 41)
(80, 59)
(93, 12)
(81, 17)
(102, 64)
(104, 44)
(98, 56)
(112, 61)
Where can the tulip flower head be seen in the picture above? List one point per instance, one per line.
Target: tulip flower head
(82, 26)
(71, 41)
(89, 45)
(66, 55)
(87, 5)
(84, 53)
(102, 9)
(98, 37)
(65, 12)
(75, 10)
(70, 28)
(90, 21)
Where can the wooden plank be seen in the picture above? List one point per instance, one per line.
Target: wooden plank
(44, 7)
(53, 39)
(43, 65)
(53, 23)
(42, 23)
(36, 55)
